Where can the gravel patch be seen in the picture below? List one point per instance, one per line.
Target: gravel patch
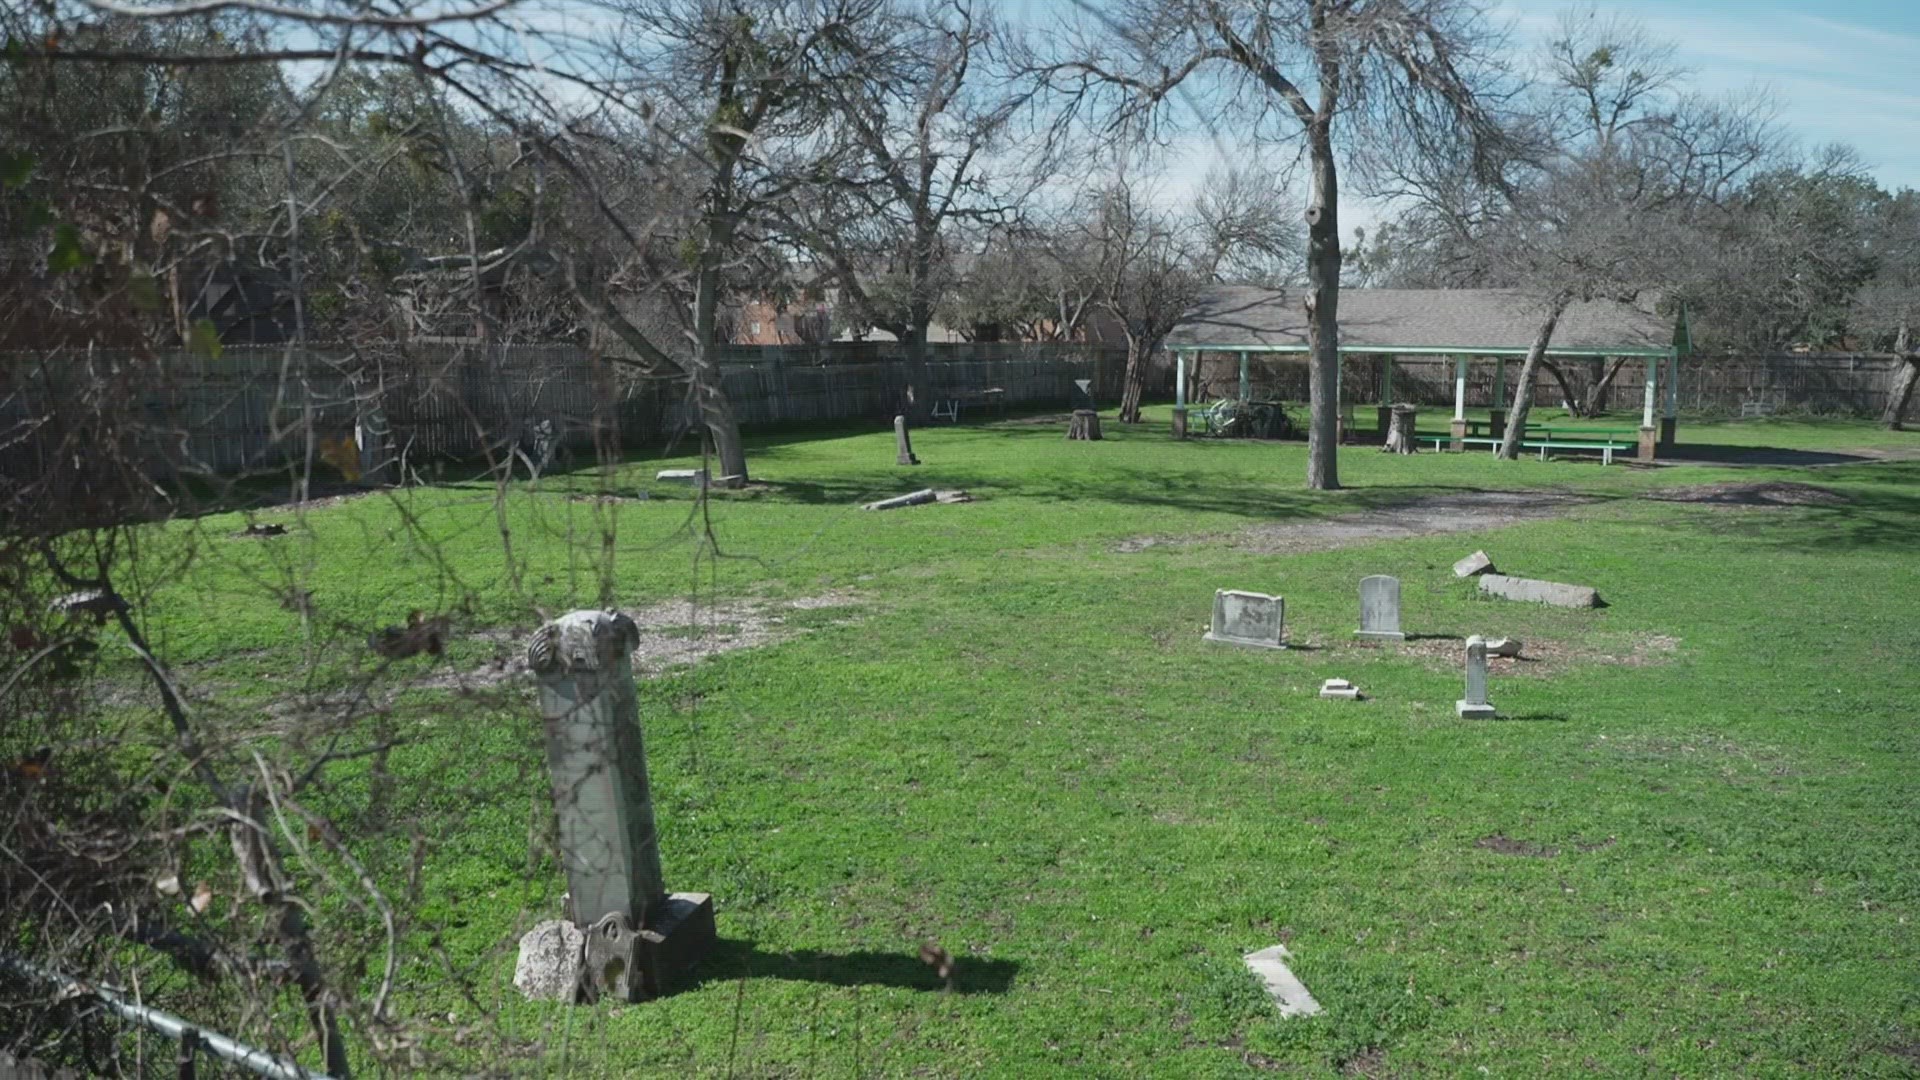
(1774, 493)
(1466, 512)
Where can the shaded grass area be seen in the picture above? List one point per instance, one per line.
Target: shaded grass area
(1702, 862)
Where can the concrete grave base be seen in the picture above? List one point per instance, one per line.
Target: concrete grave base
(1209, 636)
(1380, 635)
(1467, 710)
(1339, 690)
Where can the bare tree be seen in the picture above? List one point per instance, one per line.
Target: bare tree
(930, 120)
(1402, 78)
(1143, 269)
(1888, 307)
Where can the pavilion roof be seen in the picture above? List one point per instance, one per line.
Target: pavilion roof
(1487, 322)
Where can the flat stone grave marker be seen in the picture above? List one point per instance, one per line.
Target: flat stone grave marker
(1253, 619)
(1475, 706)
(1380, 609)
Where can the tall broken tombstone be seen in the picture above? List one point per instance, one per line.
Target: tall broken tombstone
(1380, 609)
(903, 443)
(1251, 619)
(636, 940)
(1475, 706)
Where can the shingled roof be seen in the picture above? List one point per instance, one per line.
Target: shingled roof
(1466, 321)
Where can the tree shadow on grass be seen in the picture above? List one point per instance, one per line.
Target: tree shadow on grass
(731, 960)
(1728, 454)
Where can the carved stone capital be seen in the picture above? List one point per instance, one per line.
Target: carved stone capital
(582, 641)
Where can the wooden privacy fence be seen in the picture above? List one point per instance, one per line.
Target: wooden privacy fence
(1843, 384)
(253, 409)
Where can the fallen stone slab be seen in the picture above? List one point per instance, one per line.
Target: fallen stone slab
(1289, 994)
(1506, 646)
(919, 498)
(696, 477)
(1476, 563)
(1539, 592)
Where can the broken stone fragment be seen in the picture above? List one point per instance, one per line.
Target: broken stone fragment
(551, 955)
(1474, 564)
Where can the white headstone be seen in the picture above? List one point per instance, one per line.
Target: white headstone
(1475, 705)
(1380, 609)
(1248, 618)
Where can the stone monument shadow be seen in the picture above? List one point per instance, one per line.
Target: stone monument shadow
(734, 959)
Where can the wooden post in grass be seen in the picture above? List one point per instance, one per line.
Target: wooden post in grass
(638, 937)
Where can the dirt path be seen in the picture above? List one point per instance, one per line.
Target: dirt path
(1465, 512)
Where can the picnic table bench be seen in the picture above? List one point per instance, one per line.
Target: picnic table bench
(948, 407)
(1550, 437)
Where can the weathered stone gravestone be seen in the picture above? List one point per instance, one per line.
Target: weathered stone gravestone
(1380, 609)
(638, 938)
(1252, 619)
(903, 443)
(1475, 705)
(1082, 395)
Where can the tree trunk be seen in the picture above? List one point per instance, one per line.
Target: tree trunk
(919, 395)
(1400, 437)
(1523, 392)
(709, 391)
(1597, 393)
(1323, 313)
(1133, 384)
(1573, 400)
(1904, 380)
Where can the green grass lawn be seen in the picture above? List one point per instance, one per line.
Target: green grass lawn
(1689, 847)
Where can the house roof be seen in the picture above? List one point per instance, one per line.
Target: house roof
(1487, 322)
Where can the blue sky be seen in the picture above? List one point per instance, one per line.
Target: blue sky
(1839, 70)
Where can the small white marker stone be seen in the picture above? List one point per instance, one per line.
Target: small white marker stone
(1287, 992)
(1339, 689)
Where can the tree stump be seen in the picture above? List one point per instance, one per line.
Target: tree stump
(1084, 425)
(1400, 438)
